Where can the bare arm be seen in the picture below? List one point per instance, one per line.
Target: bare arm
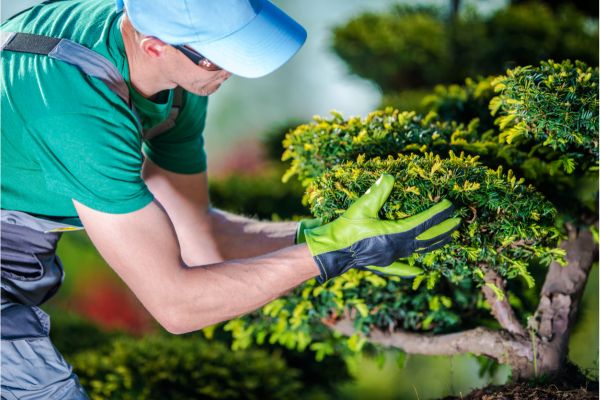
(207, 234)
(253, 237)
(142, 248)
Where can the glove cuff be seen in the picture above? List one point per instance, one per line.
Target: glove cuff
(305, 224)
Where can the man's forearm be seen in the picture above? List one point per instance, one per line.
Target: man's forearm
(219, 292)
(241, 237)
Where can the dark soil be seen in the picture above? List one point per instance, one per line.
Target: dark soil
(570, 384)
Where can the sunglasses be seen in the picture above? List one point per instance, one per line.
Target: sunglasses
(198, 58)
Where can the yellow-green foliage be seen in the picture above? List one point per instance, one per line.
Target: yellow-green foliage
(505, 222)
(507, 225)
(314, 148)
(463, 103)
(161, 367)
(551, 110)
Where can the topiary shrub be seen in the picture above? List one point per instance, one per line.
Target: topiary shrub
(506, 226)
(510, 230)
(463, 103)
(314, 148)
(404, 48)
(263, 195)
(160, 367)
(545, 128)
(412, 48)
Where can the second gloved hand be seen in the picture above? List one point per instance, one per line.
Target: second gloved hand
(359, 239)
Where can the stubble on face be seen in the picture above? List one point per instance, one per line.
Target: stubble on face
(203, 88)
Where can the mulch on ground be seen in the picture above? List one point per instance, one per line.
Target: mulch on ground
(570, 384)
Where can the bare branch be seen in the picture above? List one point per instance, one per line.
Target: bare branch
(501, 308)
(498, 345)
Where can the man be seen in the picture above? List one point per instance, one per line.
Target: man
(90, 137)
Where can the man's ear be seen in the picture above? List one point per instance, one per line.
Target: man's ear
(153, 47)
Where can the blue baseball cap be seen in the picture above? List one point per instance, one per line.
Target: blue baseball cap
(249, 38)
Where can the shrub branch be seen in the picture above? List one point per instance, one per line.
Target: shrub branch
(501, 308)
(499, 345)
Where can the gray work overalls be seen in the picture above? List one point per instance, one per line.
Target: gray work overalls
(31, 271)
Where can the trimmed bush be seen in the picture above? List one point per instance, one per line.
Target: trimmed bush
(508, 226)
(552, 110)
(263, 196)
(159, 367)
(405, 48)
(416, 47)
(314, 148)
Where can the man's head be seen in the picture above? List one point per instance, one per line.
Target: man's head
(156, 66)
(249, 38)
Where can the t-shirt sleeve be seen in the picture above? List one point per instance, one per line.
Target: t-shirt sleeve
(94, 159)
(181, 148)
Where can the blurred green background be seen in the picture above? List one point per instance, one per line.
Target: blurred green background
(359, 55)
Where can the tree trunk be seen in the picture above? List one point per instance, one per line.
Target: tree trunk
(560, 298)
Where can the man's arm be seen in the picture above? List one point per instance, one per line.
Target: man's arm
(142, 248)
(206, 234)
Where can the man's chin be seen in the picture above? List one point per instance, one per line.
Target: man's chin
(207, 90)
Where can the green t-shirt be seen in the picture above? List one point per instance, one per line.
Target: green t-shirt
(66, 135)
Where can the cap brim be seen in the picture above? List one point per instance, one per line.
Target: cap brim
(260, 47)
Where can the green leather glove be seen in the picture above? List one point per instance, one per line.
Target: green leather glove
(306, 224)
(359, 239)
(397, 268)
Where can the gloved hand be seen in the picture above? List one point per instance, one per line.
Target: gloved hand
(397, 268)
(359, 239)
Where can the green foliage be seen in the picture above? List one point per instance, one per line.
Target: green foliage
(529, 33)
(72, 334)
(160, 367)
(401, 49)
(507, 225)
(463, 103)
(115, 365)
(409, 48)
(262, 195)
(373, 302)
(314, 148)
(557, 151)
(552, 110)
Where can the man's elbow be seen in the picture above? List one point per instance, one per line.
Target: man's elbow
(177, 322)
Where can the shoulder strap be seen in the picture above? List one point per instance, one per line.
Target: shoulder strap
(170, 121)
(88, 61)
